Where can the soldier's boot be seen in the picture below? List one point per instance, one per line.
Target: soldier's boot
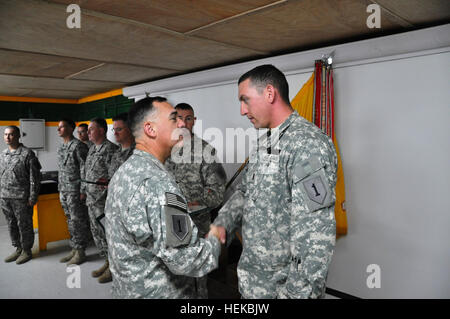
(78, 258)
(105, 277)
(24, 256)
(68, 257)
(101, 270)
(13, 256)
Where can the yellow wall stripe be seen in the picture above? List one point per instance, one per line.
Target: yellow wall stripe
(86, 99)
(36, 99)
(8, 123)
(51, 123)
(100, 96)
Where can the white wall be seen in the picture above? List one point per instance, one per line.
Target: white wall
(392, 123)
(393, 126)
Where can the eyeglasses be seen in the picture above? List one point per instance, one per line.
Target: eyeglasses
(117, 129)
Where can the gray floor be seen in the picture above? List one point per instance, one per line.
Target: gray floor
(45, 277)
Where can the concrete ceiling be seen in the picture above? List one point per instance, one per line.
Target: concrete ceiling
(125, 42)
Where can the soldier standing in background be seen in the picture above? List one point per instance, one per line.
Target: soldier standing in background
(124, 137)
(153, 243)
(82, 131)
(285, 202)
(20, 179)
(96, 178)
(200, 177)
(71, 159)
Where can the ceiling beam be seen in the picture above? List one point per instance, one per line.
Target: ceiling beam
(245, 13)
(85, 70)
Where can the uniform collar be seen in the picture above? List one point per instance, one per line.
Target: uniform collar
(132, 147)
(70, 142)
(291, 118)
(266, 140)
(16, 152)
(149, 157)
(99, 147)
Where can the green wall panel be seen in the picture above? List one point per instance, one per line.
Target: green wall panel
(106, 108)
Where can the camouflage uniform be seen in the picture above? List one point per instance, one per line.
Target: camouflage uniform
(97, 164)
(119, 158)
(88, 144)
(201, 179)
(285, 205)
(71, 159)
(20, 179)
(153, 244)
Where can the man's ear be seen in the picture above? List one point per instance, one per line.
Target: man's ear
(269, 93)
(149, 129)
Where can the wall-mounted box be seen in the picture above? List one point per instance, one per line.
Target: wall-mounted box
(33, 133)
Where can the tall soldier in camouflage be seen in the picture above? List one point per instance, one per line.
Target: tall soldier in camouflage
(153, 243)
(71, 158)
(123, 136)
(285, 202)
(96, 177)
(200, 177)
(20, 179)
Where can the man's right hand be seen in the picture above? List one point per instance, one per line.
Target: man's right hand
(219, 232)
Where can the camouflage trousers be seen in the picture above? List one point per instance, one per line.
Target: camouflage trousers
(96, 211)
(202, 221)
(77, 219)
(19, 216)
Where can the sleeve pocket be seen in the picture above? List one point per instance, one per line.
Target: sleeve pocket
(311, 181)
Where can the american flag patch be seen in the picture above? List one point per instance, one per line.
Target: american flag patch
(176, 201)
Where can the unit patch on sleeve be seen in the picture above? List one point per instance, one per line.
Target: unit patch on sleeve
(178, 222)
(311, 179)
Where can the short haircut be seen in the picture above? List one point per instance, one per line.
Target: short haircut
(266, 74)
(140, 110)
(70, 122)
(121, 117)
(15, 129)
(184, 106)
(101, 122)
(83, 125)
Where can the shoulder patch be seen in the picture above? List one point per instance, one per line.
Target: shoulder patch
(178, 222)
(311, 180)
(180, 226)
(316, 189)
